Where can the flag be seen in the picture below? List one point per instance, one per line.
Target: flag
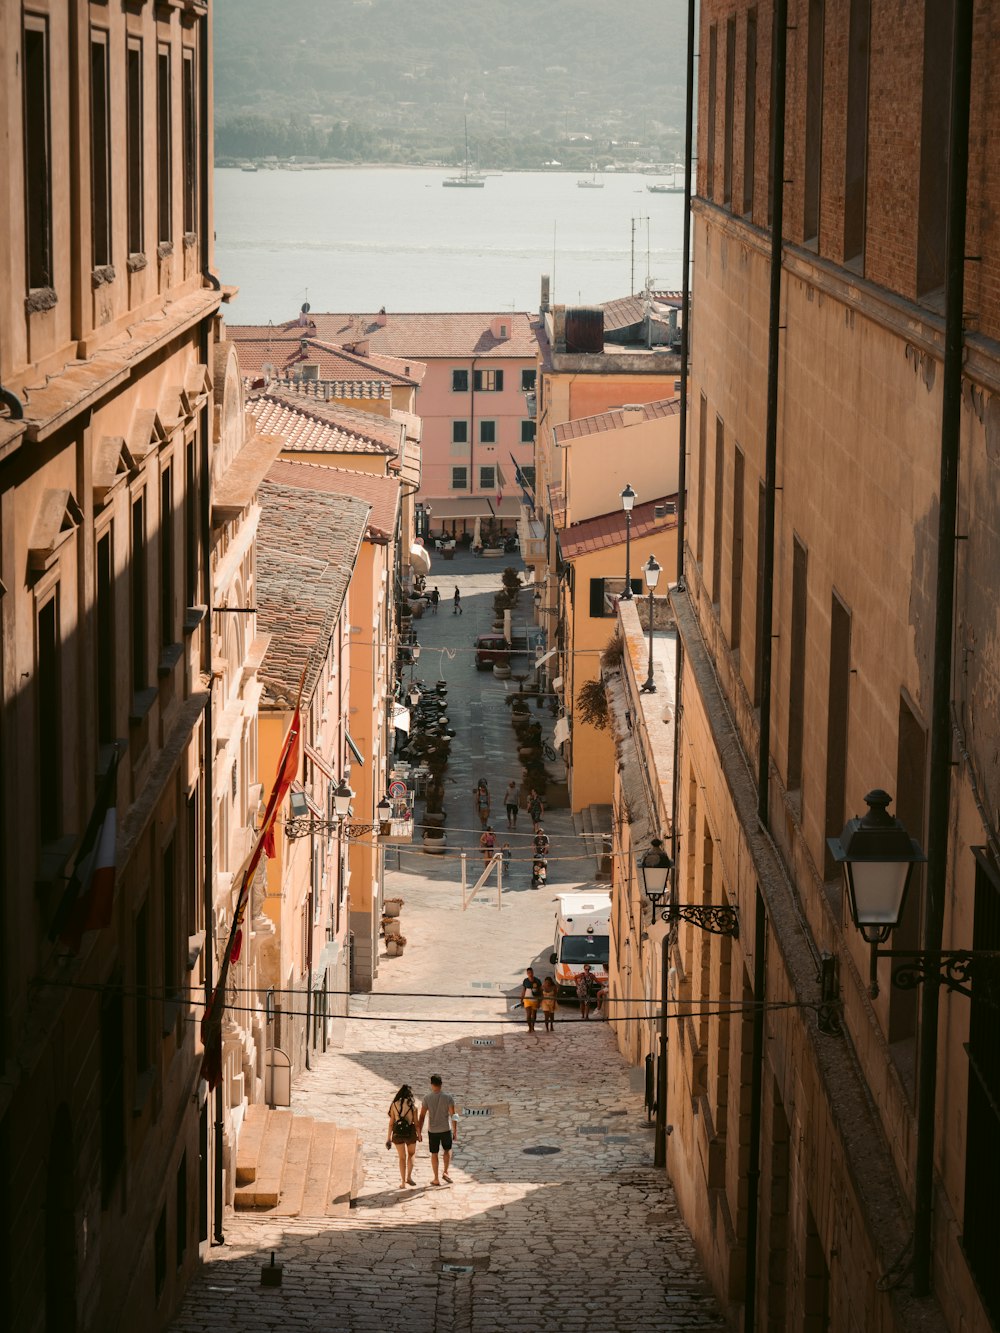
(90, 894)
(501, 483)
(211, 1023)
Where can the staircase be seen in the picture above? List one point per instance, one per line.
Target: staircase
(294, 1166)
(593, 824)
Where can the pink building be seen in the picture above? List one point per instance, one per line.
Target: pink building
(476, 424)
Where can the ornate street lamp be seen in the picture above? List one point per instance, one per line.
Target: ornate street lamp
(878, 856)
(628, 500)
(651, 571)
(301, 826)
(655, 867)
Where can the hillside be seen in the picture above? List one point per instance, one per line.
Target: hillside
(391, 80)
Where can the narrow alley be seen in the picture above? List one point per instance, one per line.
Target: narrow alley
(555, 1217)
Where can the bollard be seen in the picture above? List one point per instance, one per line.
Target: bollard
(270, 1274)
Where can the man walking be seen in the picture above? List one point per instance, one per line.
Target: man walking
(435, 598)
(458, 602)
(438, 1109)
(510, 801)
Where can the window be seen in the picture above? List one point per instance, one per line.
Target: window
(720, 480)
(100, 151)
(49, 686)
(142, 981)
(770, 120)
(112, 1040)
(487, 478)
(191, 523)
(460, 381)
(487, 432)
(140, 671)
(727, 139)
(713, 62)
(459, 432)
(604, 595)
(190, 146)
(736, 569)
(105, 579)
(488, 381)
(750, 113)
(933, 197)
(797, 667)
(133, 147)
(164, 149)
(528, 380)
(856, 157)
(814, 120)
(702, 454)
(180, 1210)
(160, 1252)
(193, 868)
(167, 617)
(836, 726)
(758, 653)
(528, 475)
(37, 154)
(527, 431)
(171, 952)
(459, 479)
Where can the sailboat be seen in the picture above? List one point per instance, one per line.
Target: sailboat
(469, 180)
(593, 184)
(673, 187)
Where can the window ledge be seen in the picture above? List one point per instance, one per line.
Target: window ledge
(171, 655)
(142, 702)
(193, 617)
(190, 238)
(39, 299)
(136, 263)
(104, 273)
(165, 249)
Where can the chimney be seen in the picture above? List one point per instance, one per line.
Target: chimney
(381, 319)
(546, 289)
(633, 414)
(559, 327)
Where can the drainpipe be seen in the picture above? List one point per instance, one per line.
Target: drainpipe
(472, 430)
(778, 79)
(939, 795)
(13, 404)
(204, 59)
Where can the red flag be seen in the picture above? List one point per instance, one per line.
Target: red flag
(211, 1023)
(89, 898)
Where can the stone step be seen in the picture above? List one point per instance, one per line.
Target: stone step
(248, 1149)
(265, 1190)
(294, 1172)
(317, 1191)
(343, 1173)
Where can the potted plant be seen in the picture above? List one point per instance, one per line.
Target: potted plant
(501, 667)
(392, 906)
(395, 946)
(500, 605)
(512, 584)
(434, 841)
(390, 927)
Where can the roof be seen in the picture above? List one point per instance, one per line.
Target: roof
(625, 311)
(289, 351)
(614, 420)
(424, 336)
(307, 545)
(314, 426)
(381, 494)
(606, 530)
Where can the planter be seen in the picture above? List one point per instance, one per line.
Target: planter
(448, 553)
(501, 671)
(391, 927)
(434, 842)
(394, 947)
(392, 906)
(434, 819)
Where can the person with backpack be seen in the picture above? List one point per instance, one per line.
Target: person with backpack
(403, 1132)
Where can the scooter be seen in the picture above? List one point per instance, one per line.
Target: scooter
(539, 872)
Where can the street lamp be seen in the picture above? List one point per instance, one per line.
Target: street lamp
(300, 825)
(414, 696)
(628, 500)
(651, 570)
(342, 798)
(878, 856)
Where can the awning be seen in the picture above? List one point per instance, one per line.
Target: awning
(420, 558)
(561, 733)
(354, 749)
(401, 718)
(475, 506)
(320, 762)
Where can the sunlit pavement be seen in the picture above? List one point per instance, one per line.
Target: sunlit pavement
(583, 1237)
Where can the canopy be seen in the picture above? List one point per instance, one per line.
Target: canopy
(420, 558)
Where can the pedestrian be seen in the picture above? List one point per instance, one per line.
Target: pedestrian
(481, 797)
(602, 998)
(458, 602)
(510, 801)
(586, 983)
(505, 855)
(535, 808)
(438, 1109)
(488, 843)
(435, 598)
(550, 997)
(531, 997)
(404, 1132)
(541, 842)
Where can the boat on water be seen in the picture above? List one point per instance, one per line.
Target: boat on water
(592, 184)
(249, 166)
(673, 186)
(469, 180)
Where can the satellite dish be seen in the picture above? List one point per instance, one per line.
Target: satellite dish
(305, 307)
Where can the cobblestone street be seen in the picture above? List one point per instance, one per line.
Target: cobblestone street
(582, 1236)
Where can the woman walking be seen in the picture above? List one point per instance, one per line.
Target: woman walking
(550, 997)
(457, 611)
(481, 799)
(403, 1133)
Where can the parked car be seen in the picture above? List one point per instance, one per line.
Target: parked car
(491, 649)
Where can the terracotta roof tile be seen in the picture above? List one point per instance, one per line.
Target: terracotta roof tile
(625, 311)
(380, 493)
(321, 428)
(597, 534)
(288, 354)
(425, 336)
(307, 546)
(613, 420)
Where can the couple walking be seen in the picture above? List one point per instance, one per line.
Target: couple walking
(406, 1129)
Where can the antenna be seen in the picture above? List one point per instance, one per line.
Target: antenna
(632, 278)
(552, 297)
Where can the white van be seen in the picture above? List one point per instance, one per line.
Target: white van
(583, 931)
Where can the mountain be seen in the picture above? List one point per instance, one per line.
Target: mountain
(393, 80)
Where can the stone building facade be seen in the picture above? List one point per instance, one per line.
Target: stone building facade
(861, 402)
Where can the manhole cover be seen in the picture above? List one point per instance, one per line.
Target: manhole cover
(477, 1110)
(618, 1138)
(591, 1129)
(484, 1041)
(457, 1268)
(540, 1150)
(485, 985)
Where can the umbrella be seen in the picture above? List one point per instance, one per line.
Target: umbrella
(477, 536)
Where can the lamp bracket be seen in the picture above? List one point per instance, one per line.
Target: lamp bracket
(717, 920)
(302, 828)
(956, 970)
